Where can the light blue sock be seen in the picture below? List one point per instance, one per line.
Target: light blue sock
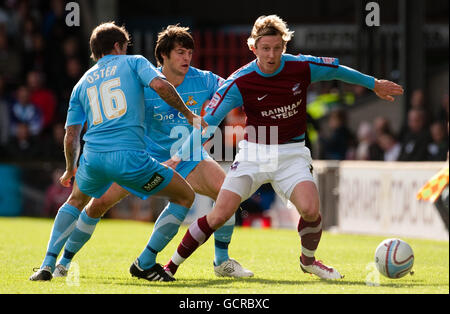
(83, 231)
(166, 227)
(63, 226)
(222, 238)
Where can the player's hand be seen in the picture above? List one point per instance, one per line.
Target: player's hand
(172, 162)
(205, 105)
(67, 177)
(197, 122)
(386, 89)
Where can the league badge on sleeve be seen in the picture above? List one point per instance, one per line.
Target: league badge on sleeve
(214, 101)
(329, 60)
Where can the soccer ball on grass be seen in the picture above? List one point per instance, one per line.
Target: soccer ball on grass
(394, 258)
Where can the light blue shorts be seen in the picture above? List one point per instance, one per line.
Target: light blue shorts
(185, 167)
(135, 171)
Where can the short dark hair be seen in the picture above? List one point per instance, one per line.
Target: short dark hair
(169, 37)
(104, 36)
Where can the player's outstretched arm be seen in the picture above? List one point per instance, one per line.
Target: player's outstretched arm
(386, 89)
(323, 71)
(170, 95)
(71, 152)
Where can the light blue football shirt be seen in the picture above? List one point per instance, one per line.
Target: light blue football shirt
(110, 97)
(165, 124)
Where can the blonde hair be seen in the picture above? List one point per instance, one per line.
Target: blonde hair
(268, 26)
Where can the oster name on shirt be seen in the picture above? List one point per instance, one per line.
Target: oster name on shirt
(101, 73)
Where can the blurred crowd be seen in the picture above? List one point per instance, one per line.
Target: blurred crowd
(424, 137)
(41, 59)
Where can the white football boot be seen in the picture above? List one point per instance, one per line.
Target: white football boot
(60, 271)
(320, 270)
(232, 268)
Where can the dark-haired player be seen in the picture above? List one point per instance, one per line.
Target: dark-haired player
(110, 98)
(174, 48)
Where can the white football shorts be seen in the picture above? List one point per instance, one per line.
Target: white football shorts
(284, 166)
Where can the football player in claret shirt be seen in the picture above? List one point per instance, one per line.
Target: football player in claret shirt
(110, 98)
(272, 92)
(173, 51)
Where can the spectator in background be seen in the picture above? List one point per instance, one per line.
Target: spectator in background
(366, 147)
(56, 31)
(10, 62)
(4, 18)
(437, 149)
(341, 140)
(442, 114)
(27, 44)
(39, 57)
(326, 100)
(359, 91)
(73, 73)
(417, 99)
(4, 114)
(416, 137)
(53, 144)
(312, 134)
(23, 111)
(71, 48)
(390, 146)
(22, 147)
(54, 26)
(42, 97)
(381, 125)
(55, 195)
(20, 11)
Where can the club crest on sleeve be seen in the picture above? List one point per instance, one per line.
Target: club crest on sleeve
(191, 101)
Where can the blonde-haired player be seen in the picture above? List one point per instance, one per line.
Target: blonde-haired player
(269, 25)
(272, 92)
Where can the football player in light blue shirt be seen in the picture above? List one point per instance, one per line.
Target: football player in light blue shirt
(173, 51)
(110, 99)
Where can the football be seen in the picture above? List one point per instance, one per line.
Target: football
(394, 258)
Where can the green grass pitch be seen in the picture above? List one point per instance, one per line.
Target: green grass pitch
(272, 254)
